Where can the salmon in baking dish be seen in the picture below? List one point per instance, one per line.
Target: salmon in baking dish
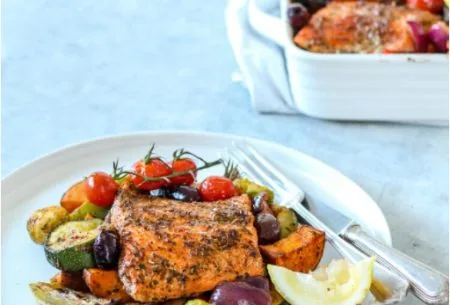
(362, 27)
(173, 249)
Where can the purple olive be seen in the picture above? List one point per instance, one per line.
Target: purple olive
(160, 193)
(238, 293)
(268, 228)
(107, 249)
(259, 202)
(185, 193)
(298, 16)
(258, 282)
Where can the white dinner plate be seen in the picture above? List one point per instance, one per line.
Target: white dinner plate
(42, 182)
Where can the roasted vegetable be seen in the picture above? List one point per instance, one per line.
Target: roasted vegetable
(268, 228)
(105, 284)
(44, 221)
(257, 281)
(74, 197)
(237, 293)
(69, 247)
(185, 193)
(288, 221)
(101, 189)
(46, 295)
(107, 248)
(88, 208)
(217, 188)
(286, 217)
(70, 280)
(277, 299)
(301, 251)
(252, 189)
(160, 193)
(260, 203)
(197, 302)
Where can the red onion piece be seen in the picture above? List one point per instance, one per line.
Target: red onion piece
(420, 36)
(258, 282)
(238, 293)
(438, 34)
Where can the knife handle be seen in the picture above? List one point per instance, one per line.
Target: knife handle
(430, 286)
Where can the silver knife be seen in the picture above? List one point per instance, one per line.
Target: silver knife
(427, 284)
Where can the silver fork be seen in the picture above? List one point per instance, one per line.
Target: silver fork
(258, 168)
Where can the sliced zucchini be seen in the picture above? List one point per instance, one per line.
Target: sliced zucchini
(288, 221)
(86, 209)
(69, 247)
(46, 295)
(245, 186)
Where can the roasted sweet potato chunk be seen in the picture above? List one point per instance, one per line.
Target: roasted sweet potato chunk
(301, 251)
(74, 197)
(105, 284)
(69, 280)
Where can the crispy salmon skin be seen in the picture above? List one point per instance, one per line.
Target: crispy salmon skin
(173, 249)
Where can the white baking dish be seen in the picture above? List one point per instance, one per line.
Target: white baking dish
(387, 87)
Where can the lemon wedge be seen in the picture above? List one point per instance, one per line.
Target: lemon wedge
(339, 283)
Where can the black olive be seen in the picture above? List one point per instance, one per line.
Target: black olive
(185, 193)
(161, 193)
(260, 202)
(107, 249)
(268, 228)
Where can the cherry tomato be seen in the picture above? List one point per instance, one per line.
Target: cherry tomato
(182, 165)
(217, 188)
(154, 168)
(100, 189)
(433, 6)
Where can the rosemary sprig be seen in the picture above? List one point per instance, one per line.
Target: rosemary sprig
(231, 170)
(118, 172)
(149, 156)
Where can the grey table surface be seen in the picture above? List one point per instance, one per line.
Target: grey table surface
(75, 70)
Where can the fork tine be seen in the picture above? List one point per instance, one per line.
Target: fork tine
(270, 167)
(243, 167)
(264, 165)
(256, 170)
(253, 172)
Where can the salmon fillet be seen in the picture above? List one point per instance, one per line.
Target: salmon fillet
(173, 249)
(361, 27)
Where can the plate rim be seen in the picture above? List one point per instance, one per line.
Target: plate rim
(17, 174)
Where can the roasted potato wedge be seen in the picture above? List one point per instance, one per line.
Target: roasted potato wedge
(105, 284)
(301, 251)
(43, 221)
(70, 280)
(74, 197)
(46, 295)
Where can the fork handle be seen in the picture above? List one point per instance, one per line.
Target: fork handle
(430, 286)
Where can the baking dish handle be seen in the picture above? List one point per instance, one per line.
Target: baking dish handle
(265, 24)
